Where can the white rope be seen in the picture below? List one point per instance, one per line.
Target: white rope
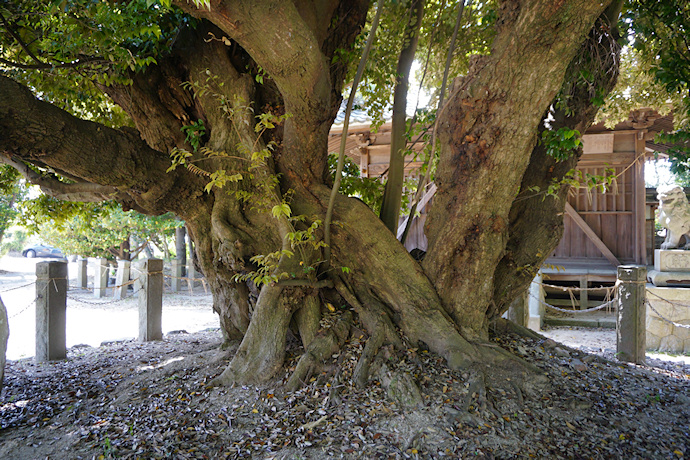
(599, 307)
(575, 288)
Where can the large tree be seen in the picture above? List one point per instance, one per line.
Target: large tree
(243, 94)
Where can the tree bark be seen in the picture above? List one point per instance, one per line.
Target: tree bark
(392, 196)
(487, 132)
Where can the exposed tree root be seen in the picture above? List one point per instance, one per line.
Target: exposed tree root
(258, 359)
(477, 389)
(307, 319)
(360, 376)
(374, 315)
(400, 387)
(326, 343)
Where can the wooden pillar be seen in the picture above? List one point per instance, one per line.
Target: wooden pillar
(631, 329)
(100, 277)
(584, 294)
(150, 288)
(364, 162)
(639, 201)
(122, 277)
(51, 309)
(82, 273)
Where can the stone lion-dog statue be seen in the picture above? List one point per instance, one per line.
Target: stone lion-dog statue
(674, 215)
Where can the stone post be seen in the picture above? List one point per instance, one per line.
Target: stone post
(176, 280)
(121, 278)
(536, 307)
(518, 312)
(150, 288)
(100, 277)
(82, 273)
(191, 275)
(631, 314)
(4, 335)
(51, 306)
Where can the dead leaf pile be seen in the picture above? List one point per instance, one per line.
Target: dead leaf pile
(132, 400)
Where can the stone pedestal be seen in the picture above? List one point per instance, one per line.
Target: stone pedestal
(662, 279)
(672, 260)
(671, 268)
(669, 304)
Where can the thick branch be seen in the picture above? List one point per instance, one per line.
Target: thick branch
(50, 185)
(38, 132)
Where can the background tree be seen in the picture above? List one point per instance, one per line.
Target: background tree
(99, 230)
(12, 191)
(242, 95)
(661, 44)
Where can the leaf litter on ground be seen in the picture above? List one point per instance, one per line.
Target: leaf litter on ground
(153, 400)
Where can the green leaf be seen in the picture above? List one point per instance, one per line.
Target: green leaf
(281, 210)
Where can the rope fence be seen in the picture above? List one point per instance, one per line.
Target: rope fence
(611, 291)
(563, 310)
(609, 297)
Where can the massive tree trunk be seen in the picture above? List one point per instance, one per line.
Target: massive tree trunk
(487, 131)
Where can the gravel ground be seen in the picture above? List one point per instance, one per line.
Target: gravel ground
(132, 400)
(153, 400)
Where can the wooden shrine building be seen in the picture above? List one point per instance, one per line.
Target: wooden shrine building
(602, 229)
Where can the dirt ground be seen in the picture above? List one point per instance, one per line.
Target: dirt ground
(132, 400)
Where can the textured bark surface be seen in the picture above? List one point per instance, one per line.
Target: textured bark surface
(488, 134)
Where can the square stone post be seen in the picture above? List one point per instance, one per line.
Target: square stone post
(536, 307)
(100, 277)
(518, 312)
(51, 306)
(176, 280)
(4, 335)
(631, 315)
(150, 284)
(191, 275)
(121, 278)
(82, 273)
